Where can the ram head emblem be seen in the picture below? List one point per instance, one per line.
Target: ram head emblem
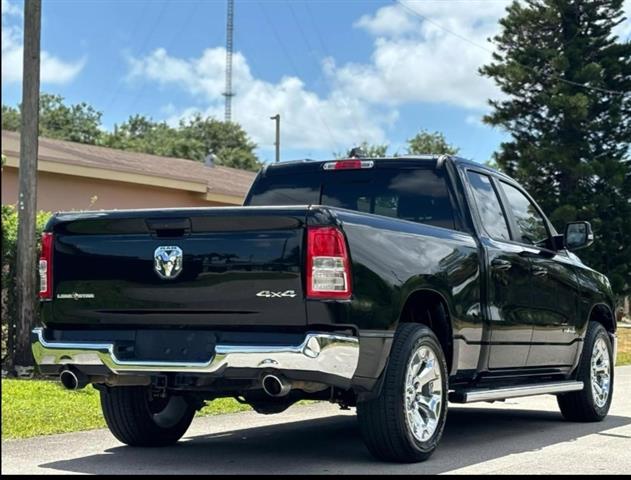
(167, 262)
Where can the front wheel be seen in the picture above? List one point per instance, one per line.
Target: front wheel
(406, 421)
(595, 370)
(136, 418)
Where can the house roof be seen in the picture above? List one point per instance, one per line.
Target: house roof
(89, 160)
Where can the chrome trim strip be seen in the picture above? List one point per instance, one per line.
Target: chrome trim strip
(336, 355)
(524, 391)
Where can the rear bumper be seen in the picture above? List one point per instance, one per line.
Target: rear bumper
(328, 354)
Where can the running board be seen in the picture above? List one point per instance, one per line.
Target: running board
(488, 395)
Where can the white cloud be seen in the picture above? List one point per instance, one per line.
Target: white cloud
(430, 51)
(201, 76)
(308, 120)
(427, 51)
(9, 9)
(59, 71)
(390, 20)
(52, 68)
(624, 29)
(11, 54)
(421, 55)
(413, 61)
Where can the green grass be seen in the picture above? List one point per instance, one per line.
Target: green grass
(40, 407)
(624, 358)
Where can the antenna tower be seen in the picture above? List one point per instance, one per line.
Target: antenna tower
(229, 46)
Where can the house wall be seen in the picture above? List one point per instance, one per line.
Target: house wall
(64, 192)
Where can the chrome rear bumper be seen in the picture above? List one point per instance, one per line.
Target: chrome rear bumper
(324, 353)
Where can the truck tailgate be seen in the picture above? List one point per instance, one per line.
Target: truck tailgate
(236, 267)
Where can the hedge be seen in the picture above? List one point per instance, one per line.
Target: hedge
(9, 290)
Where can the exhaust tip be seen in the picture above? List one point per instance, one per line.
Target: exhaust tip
(69, 380)
(72, 380)
(275, 386)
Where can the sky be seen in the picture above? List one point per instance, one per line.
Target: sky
(339, 72)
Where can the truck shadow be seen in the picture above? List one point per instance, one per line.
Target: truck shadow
(334, 445)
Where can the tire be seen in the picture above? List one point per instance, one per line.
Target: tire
(383, 421)
(585, 405)
(137, 420)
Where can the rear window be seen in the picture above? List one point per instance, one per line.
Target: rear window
(415, 194)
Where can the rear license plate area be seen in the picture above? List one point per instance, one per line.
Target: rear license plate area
(172, 346)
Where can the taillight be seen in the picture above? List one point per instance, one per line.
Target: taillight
(348, 165)
(46, 267)
(328, 266)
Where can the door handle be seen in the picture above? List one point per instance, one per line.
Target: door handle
(529, 252)
(499, 264)
(539, 271)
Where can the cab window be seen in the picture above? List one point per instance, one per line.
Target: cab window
(489, 206)
(530, 223)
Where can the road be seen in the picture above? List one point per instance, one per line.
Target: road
(520, 436)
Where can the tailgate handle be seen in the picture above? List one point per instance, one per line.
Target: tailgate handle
(169, 227)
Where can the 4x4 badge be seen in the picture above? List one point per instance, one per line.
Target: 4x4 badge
(270, 294)
(167, 262)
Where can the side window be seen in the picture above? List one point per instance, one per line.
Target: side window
(489, 206)
(531, 225)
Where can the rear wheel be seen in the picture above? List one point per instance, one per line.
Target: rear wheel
(406, 421)
(596, 371)
(136, 418)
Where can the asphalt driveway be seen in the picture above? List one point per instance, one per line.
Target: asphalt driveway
(520, 436)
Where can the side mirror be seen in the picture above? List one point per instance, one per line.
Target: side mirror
(578, 235)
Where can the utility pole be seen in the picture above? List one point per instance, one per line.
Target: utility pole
(277, 142)
(27, 199)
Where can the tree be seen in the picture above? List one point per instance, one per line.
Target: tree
(368, 150)
(193, 139)
(566, 80)
(227, 140)
(11, 119)
(423, 142)
(76, 123)
(430, 142)
(142, 134)
(493, 164)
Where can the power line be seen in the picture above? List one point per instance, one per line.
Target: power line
(320, 77)
(135, 29)
(554, 77)
(304, 36)
(177, 35)
(293, 66)
(150, 32)
(315, 27)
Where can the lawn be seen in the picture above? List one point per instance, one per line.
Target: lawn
(624, 358)
(40, 407)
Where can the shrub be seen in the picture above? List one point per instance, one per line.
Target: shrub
(9, 253)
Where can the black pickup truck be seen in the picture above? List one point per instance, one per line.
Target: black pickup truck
(392, 285)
